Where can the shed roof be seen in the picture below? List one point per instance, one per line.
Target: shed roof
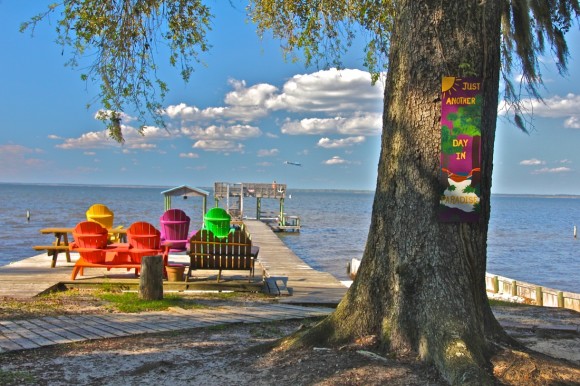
(184, 190)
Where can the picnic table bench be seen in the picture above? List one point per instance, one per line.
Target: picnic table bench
(60, 244)
(234, 252)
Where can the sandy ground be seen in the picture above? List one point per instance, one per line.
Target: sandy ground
(241, 354)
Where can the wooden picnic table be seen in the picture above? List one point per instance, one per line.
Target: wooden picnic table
(61, 241)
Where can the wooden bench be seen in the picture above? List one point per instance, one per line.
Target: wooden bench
(53, 250)
(234, 253)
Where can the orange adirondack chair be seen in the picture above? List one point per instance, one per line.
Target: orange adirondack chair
(103, 215)
(145, 240)
(174, 229)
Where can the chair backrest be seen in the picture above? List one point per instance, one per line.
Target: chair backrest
(174, 228)
(237, 243)
(102, 214)
(89, 234)
(217, 220)
(143, 235)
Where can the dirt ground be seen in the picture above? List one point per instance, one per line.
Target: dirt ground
(242, 354)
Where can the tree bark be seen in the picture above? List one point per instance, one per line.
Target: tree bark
(151, 280)
(421, 283)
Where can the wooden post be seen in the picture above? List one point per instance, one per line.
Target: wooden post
(151, 280)
(495, 284)
(514, 288)
(560, 299)
(539, 297)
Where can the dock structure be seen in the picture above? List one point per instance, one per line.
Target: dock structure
(284, 272)
(292, 275)
(234, 194)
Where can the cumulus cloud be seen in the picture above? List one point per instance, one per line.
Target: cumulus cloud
(567, 106)
(572, 122)
(133, 139)
(256, 95)
(268, 152)
(367, 124)
(328, 143)
(213, 132)
(346, 92)
(552, 170)
(336, 160)
(330, 91)
(532, 162)
(331, 102)
(219, 146)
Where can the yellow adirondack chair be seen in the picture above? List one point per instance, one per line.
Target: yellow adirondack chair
(103, 215)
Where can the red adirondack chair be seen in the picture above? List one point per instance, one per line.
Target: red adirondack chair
(90, 239)
(175, 229)
(145, 240)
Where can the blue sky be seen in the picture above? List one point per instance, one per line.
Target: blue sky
(241, 117)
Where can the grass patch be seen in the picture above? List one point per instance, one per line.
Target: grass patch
(130, 302)
(16, 378)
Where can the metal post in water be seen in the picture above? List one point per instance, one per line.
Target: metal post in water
(575, 231)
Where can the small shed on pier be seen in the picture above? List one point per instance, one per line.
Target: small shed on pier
(185, 192)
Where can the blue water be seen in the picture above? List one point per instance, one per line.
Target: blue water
(530, 238)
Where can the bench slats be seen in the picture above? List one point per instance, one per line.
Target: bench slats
(232, 253)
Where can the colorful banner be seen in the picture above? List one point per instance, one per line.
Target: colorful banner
(460, 149)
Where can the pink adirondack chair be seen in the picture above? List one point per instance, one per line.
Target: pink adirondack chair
(145, 240)
(175, 229)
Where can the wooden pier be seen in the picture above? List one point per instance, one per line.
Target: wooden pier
(285, 275)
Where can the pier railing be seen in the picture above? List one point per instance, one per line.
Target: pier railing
(538, 295)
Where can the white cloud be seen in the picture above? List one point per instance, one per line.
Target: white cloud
(235, 132)
(328, 143)
(572, 122)
(256, 95)
(532, 162)
(219, 145)
(268, 152)
(346, 92)
(101, 139)
(330, 91)
(188, 155)
(369, 124)
(554, 107)
(336, 160)
(552, 170)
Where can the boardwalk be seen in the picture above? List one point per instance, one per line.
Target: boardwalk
(305, 284)
(297, 282)
(45, 331)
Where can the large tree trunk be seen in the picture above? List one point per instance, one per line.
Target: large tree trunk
(421, 283)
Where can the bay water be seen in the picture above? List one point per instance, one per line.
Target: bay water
(530, 239)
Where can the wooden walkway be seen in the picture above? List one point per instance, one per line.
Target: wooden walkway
(286, 273)
(293, 276)
(297, 283)
(46, 331)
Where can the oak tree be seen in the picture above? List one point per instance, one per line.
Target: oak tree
(421, 284)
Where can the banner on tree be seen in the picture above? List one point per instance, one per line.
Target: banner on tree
(460, 173)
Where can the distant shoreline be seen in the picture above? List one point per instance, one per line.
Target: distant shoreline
(530, 195)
